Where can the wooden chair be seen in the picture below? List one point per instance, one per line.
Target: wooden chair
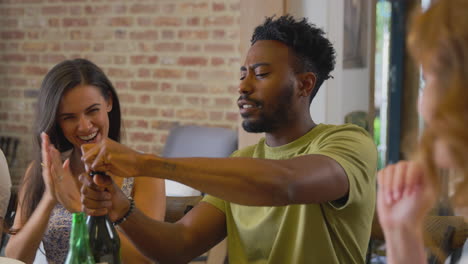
(178, 206)
(9, 146)
(445, 234)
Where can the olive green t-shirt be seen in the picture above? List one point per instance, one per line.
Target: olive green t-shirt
(326, 233)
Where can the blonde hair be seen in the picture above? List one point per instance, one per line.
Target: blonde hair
(438, 39)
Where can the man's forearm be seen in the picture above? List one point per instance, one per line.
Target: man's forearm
(231, 179)
(159, 241)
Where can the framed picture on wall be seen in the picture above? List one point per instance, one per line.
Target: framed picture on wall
(355, 33)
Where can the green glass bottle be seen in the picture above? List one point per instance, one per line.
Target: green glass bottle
(103, 238)
(79, 251)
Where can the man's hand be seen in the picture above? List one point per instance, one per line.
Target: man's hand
(100, 196)
(111, 157)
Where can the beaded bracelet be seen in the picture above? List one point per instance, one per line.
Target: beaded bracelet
(127, 214)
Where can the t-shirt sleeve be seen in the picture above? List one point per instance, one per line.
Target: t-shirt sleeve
(354, 150)
(216, 202)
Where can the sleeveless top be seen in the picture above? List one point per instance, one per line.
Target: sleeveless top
(57, 235)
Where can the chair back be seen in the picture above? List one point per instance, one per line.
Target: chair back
(9, 146)
(197, 141)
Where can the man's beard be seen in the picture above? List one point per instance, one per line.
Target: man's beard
(269, 121)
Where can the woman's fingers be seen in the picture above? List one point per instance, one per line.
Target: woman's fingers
(399, 180)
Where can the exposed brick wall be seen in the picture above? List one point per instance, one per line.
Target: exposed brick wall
(172, 61)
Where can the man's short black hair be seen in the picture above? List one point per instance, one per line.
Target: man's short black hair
(313, 51)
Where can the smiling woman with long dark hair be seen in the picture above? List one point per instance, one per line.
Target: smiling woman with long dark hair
(77, 104)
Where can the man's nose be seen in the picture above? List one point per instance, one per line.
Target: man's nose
(245, 87)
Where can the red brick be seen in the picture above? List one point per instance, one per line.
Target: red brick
(216, 116)
(168, 47)
(194, 7)
(167, 73)
(192, 75)
(167, 8)
(167, 100)
(120, 9)
(33, 35)
(144, 73)
(219, 34)
(34, 46)
(143, 112)
(191, 114)
(144, 99)
(8, 23)
(52, 58)
(33, 58)
(168, 34)
(192, 61)
(145, 47)
(232, 116)
(54, 10)
(141, 124)
(219, 21)
(217, 61)
(167, 87)
(17, 128)
(121, 85)
(75, 22)
(193, 100)
(12, 35)
(9, 81)
(140, 136)
(219, 47)
(119, 60)
(191, 88)
(167, 21)
(6, 11)
(120, 73)
(144, 35)
(144, 9)
(127, 98)
(142, 59)
(97, 9)
(54, 22)
(76, 10)
(193, 47)
(224, 101)
(235, 6)
(120, 21)
(168, 113)
(73, 1)
(144, 86)
(13, 58)
(144, 21)
(164, 125)
(217, 7)
(77, 46)
(99, 59)
(35, 70)
(193, 34)
(193, 21)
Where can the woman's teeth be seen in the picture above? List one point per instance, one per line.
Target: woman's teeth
(89, 137)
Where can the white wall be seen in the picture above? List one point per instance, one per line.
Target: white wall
(349, 89)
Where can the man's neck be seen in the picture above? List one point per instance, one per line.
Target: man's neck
(288, 133)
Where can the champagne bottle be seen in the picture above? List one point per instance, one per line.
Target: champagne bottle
(103, 238)
(79, 252)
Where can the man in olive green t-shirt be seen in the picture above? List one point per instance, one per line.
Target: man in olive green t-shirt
(329, 232)
(304, 194)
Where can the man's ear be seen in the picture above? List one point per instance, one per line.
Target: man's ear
(307, 81)
(109, 102)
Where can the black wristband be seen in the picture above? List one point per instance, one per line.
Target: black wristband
(127, 214)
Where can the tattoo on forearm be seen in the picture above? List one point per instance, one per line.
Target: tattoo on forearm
(169, 166)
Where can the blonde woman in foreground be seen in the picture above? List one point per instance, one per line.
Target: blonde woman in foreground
(407, 190)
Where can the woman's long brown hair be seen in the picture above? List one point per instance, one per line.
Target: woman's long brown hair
(439, 41)
(60, 79)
